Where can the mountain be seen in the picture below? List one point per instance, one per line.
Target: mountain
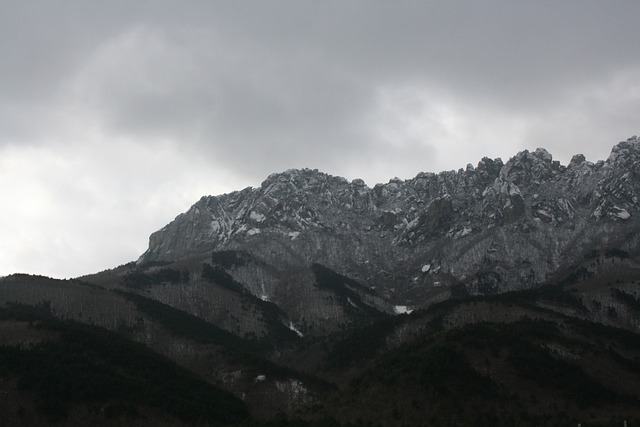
(502, 294)
(487, 229)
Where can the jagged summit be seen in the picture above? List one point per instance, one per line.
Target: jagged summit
(523, 220)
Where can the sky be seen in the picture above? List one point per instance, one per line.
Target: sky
(116, 116)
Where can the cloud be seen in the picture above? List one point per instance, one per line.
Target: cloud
(82, 208)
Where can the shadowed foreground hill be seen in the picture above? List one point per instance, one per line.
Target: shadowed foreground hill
(72, 373)
(527, 358)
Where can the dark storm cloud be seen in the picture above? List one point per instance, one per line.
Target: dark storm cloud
(154, 103)
(288, 77)
(285, 74)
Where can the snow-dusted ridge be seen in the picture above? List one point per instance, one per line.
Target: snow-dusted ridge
(521, 220)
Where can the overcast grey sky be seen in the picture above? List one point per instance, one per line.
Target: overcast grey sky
(115, 116)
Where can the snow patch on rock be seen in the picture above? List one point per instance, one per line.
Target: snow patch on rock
(294, 235)
(402, 309)
(621, 213)
(296, 330)
(257, 217)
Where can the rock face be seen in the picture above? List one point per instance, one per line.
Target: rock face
(486, 229)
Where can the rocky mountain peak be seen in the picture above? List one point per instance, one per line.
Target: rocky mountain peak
(496, 216)
(626, 154)
(576, 161)
(534, 167)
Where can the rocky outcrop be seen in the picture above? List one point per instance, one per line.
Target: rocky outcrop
(490, 228)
